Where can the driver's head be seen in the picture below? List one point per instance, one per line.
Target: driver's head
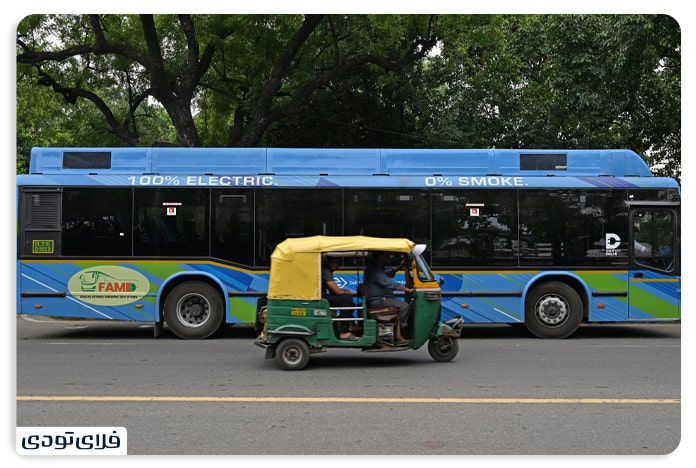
(333, 263)
(381, 257)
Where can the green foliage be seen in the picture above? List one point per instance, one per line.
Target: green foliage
(542, 81)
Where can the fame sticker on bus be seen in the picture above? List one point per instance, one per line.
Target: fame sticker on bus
(108, 285)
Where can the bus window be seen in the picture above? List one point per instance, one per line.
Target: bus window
(96, 222)
(232, 229)
(388, 213)
(171, 222)
(653, 239)
(286, 213)
(570, 227)
(474, 227)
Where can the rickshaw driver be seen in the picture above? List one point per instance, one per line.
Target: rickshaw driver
(380, 287)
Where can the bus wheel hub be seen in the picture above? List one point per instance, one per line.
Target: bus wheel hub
(552, 310)
(193, 310)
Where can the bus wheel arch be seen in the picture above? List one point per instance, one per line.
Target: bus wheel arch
(193, 307)
(554, 307)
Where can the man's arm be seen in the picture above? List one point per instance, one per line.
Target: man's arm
(335, 290)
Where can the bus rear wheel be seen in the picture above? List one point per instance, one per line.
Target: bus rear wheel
(553, 310)
(194, 310)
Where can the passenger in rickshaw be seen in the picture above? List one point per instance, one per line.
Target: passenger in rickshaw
(380, 286)
(337, 297)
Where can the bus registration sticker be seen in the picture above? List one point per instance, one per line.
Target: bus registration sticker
(108, 285)
(42, 246)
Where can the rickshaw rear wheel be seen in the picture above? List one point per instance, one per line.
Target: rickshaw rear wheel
(443, 348)
(292, 354)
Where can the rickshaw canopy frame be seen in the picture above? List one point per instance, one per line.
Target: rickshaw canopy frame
(296, 262)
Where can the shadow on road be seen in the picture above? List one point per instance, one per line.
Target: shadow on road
(588, 331)
(60, 329)
(46, 328)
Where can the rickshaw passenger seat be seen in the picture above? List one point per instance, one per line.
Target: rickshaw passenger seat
(381, 314)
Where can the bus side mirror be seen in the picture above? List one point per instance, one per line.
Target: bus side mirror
(440, 280)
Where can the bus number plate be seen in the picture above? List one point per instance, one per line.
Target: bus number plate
(42, 246)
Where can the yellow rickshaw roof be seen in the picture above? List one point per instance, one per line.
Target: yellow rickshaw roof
(296, 263)
(320, 244)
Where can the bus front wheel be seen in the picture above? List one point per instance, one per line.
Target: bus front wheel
(553, 310)
(194, 310)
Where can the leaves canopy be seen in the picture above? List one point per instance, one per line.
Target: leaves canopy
(444, 81)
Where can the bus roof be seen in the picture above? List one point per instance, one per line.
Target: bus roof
(338, 162)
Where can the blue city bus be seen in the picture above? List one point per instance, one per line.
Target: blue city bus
(182, 237)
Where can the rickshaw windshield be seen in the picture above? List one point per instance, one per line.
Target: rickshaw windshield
(424, 273)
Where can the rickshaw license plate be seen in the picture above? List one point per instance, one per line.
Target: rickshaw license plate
(298, 312)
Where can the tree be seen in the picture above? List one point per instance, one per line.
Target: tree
(445, 81)
(566, 81)
(258, 69)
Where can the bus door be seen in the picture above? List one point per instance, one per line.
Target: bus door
(654, 276)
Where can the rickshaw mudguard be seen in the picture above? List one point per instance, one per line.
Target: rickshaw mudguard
(293, 331)
(270, 338)
(451, 327)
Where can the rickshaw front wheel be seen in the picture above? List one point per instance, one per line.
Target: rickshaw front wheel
(292, 354)
(443, 348)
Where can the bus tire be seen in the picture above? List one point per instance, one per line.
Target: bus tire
(194, 310)
(553, 310)
(292, 354)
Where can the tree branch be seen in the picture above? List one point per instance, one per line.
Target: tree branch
(71, 95)
(274, 81)
(265, 115)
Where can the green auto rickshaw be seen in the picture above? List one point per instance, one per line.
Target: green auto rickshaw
(296, 321)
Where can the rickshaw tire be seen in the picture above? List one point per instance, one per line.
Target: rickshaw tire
(292, 354)
(443, 349)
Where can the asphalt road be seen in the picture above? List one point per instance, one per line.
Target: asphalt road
(608, 390)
